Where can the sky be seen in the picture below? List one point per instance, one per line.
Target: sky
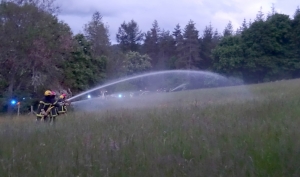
(168, 13)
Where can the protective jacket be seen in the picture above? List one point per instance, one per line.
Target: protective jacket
(62, 109)
(46, 107)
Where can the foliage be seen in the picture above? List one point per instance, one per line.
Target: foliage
(40, 52)
(228, 31)
(208, 42)
(151, 43)
(98, 35)
(129, 36)
(188, 48)
(264, 51)
(228, 56)
(34, 44)
(135, 63)
(82, 69)
(115, 63)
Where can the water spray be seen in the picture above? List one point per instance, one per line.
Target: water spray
(180, 86)
(206, 73)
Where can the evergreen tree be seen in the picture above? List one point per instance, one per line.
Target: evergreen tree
(206, 46)
(166, 50)
(190, 51)
(260, 15)
(297, 12)
(129, 36)
(244, 25)
(228, 31)
(151, 43)
(250, 23)
(216, 37)
(238, 31)
(242, 28)
(179, 46)
(177, 33)
(273, 11)
(98, 35)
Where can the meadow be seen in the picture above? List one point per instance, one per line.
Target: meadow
(232, 131)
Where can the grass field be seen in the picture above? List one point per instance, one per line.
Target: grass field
(211, 132)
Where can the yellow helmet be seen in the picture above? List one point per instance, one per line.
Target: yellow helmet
(48, 93)
(62, 96)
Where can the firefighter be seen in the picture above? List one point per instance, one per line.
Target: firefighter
(54, 112)
(45, 107)
(62, 109)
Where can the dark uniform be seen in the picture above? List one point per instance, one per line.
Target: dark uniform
(62, 109)
(53, 112)
(46, 108)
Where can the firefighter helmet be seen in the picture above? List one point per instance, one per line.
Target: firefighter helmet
(62, 96)
(48, 93)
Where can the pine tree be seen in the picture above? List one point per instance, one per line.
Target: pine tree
(297, 12)
(129, 36)
(216, 37)
(207, 33)
(206, 45)
(151, 43)
(244, 25)
(250, 23)
(177, 34)
(178, 43)
(190, 56)
(98, 35)
(238, 31)
(273, 11)
(228, 31)
(166, 50)
(260, 15)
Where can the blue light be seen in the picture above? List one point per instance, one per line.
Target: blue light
(89, 96)
(120, 95)
(13, 102)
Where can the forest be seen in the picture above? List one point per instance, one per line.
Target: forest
(38, 51)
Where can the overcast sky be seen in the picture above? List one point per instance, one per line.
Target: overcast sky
(168, 13)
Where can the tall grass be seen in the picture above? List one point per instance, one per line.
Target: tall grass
(213, 132)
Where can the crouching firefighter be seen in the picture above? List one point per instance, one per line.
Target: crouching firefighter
(46, 108)
(62, 109)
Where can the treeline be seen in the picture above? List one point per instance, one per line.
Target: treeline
(40, 52)
(266, 50)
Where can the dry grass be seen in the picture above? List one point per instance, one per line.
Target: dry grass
(217, 132)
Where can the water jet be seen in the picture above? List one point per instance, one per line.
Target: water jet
(150, 89)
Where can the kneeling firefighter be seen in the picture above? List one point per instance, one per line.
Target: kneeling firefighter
(45, 109)
(62, 109)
